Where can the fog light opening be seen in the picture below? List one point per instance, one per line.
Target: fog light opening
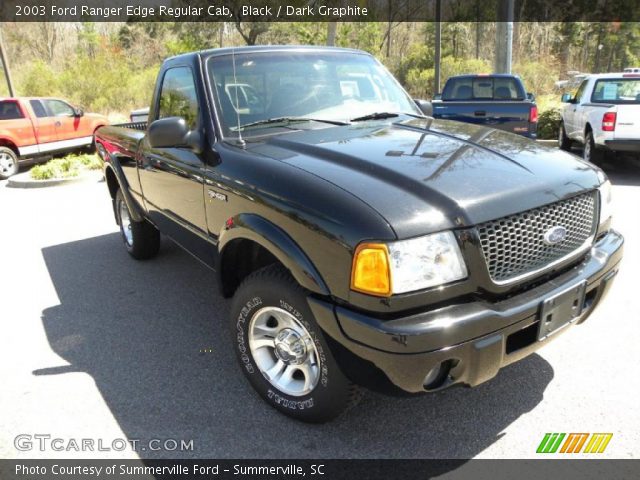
(437, 375)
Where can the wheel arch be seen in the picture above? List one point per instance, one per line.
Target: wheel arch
(250, 242)
(116, 180)
(8, 143)
(112, 182)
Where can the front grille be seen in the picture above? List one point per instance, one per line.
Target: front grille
(514, 246)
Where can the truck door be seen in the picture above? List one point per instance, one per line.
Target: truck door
(43, 124)
(171, 178)
(573, 113)
(71, 130)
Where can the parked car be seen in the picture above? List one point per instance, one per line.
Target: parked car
(363, 243)
(603, 114)
(497, 101)
(32, 128)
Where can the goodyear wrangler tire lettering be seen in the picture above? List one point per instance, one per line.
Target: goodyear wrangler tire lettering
(242, 348)
(283, 352)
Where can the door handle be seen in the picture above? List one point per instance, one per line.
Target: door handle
(480, 113)
(58, 124)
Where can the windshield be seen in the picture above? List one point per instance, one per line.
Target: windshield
(323, 86)
(617, 90)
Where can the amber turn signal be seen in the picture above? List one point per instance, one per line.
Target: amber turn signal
(370, 273)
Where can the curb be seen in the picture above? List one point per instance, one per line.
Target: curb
(24, 180)
(548, 143)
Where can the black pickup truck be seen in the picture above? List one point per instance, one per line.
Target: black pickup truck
(496, 101)
(363, 243)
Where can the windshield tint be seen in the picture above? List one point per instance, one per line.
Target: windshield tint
(332, 86)
(617, 90)
(482, 88)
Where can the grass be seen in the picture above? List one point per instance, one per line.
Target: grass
(67, 167)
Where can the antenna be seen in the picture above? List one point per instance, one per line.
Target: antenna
(241, 141)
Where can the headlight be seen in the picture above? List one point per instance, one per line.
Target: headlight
(407, 265)
(606, 209)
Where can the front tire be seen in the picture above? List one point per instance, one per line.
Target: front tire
(141, 239)
(591, 153)
(563, 141)
(8, 163)
(283, 352)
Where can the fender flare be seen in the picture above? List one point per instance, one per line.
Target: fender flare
(114, 166)
(247, 226)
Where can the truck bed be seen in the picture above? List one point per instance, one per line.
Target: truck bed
(511, 116)
(496, 100)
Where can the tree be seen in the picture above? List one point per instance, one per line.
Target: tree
(250, 31)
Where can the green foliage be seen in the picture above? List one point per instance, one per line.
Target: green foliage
(107, 83)
(111, 67)
(104, 83)
(191, 37)
(548, 124)
(362, 35)
(538, 77)
(67, 167)
(38, 80)
(419, 57)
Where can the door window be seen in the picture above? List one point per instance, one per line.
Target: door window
(580, 91)
(58, 108)
(38, 108)
(178, 96)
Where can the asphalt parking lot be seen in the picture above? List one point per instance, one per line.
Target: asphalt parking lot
(96, 345)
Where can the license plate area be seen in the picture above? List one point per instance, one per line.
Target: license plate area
(560, 310)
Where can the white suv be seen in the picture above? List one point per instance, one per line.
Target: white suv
(603, 114)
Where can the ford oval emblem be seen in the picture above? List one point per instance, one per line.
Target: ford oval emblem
(555, 235)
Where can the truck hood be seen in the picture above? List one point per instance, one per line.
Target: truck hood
(426, 175)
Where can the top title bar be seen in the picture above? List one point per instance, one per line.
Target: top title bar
(320, 10)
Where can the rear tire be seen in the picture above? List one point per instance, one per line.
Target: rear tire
(8, 163)
(564, 142)
(591, 153)
(141, 239)
(282, 350)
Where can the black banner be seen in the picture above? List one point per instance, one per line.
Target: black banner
(320, 469)
(319, 10)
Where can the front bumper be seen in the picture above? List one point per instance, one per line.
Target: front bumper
(623, 145)
(473, 339)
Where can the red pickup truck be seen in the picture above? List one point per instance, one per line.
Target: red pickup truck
(37, 127)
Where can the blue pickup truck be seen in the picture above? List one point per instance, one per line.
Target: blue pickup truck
(498, 101)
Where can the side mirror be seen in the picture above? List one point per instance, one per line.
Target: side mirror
(531, 97)
(173, 132)
(424, 106)
(168, 132)
(437, 96)
(566, 98)
(78, 112)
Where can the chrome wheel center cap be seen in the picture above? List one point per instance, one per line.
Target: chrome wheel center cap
(290, 347)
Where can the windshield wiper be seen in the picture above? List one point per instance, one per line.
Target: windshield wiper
(375, 116)
(288, 120)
